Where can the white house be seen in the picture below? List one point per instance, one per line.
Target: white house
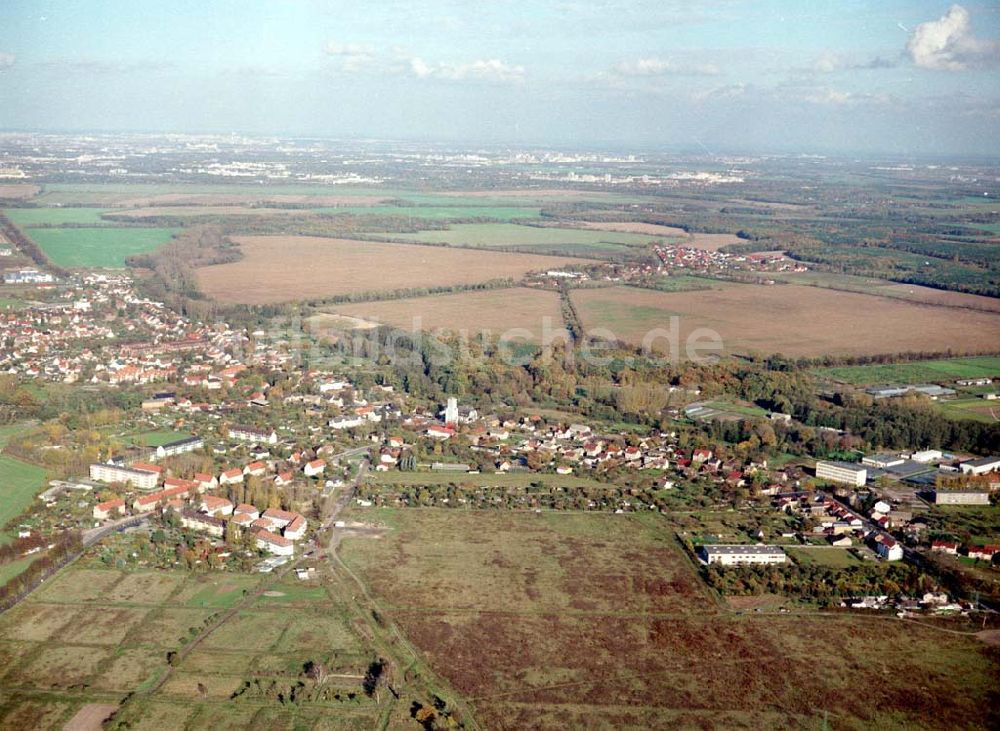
(314, 468)
(888, 548)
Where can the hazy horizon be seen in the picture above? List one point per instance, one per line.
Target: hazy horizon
(893, 78)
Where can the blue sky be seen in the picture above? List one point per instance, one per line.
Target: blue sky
(755, 75)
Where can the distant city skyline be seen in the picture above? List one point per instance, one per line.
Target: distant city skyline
(899, 77)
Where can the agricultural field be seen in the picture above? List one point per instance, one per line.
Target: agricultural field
(193, 211)
(18, 191)
(549, 238)
(288, 268)
(971, 408)
(940, 371)
(75, 248)
(885, 288)
(504, 213)
(20, 482)
(495, 311)
(759, 319)
(136, 195)
(650, 229)
(32, 217)
(95, 636)
(568, 620)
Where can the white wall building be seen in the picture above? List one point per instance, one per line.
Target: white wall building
(846, 473)
(141, 479)
(734, 555)
(981, 466)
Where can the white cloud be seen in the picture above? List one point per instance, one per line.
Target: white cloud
(6, 60)
(353, 56)
(482, 69)
(947, 44)
(398, 61)
(655, 66)
(830, 62)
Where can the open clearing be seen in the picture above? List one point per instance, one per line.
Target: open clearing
(29, 217)
(287, 268)
(884, 288)
(91, 717)
(19, 483)
(511, 235)
(429, 212)
(69, 653)
(568, 621)
(714, 242)
(191, 211)
(19, 191)
(790, 319)
(97, 247)
(633, 227)
(947, 369)
(496, 310)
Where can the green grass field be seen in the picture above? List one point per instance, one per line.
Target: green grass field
(502, 235)
(503, 213)
(918, 372)
(19, 483)
(157, 438)
(835, 557)
(98, 247)
(10, 303)
(9, 570)
(8, 431)
(55, 216)
(973, 408)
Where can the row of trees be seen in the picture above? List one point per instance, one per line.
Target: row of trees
(66, 545)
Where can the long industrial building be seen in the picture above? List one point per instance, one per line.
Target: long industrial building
(735, 555)
(846, 473)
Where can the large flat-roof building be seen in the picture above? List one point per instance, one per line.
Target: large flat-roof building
(737, 555)
(961, 497)
(882, 460)
(846, 473)
(142, 479)
(180, 446)
(981, 466)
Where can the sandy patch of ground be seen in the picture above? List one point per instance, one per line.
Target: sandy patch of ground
(91, 717)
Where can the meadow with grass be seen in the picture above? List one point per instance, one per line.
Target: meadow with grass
(77, 248)
(942, 370)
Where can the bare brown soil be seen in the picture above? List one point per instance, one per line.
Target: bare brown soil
(933, 296)
(713, 242)
(496, 310)
(790, 319)
(19, 191)
(289, 268)
(632, 227)
(90, 717)
(990, 637)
